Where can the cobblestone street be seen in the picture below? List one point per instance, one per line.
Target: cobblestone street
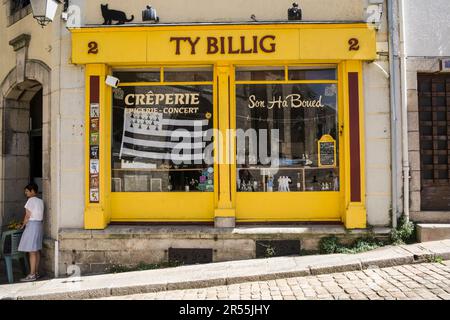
(418, 281)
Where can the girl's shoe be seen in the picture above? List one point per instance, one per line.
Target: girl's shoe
(29, 278)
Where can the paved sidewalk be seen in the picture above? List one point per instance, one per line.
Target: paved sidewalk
(223, 273)
(419, 281)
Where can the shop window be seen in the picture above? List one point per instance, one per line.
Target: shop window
(162, 138)
(312, 73)
(260, 74)
(287, 136)
(187, 75)
(140, 76)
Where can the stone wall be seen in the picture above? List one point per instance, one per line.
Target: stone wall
(417, 65)
(96, 251)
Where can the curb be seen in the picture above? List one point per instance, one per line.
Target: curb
(304, 266)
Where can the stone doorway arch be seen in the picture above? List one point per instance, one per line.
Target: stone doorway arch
(17, 95)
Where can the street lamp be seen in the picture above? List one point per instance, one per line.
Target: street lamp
(44, 10)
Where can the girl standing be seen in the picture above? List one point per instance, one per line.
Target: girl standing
(31, 240)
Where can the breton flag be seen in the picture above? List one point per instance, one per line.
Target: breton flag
(149, 136)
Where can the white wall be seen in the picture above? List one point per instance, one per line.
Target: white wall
(427, 27)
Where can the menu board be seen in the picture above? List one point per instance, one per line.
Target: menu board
(327, 151)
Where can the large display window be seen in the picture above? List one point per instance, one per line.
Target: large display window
(287, 129)
(162, 137)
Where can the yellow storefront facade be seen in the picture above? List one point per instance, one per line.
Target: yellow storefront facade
(234, 65)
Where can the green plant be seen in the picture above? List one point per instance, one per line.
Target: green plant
(435, 259)
(331, 244)
(328, 245)
(404, 233)
(117, 268)
(270, 250)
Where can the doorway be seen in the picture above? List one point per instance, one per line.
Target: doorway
(434, 130)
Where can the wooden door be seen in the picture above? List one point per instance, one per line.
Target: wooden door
(434, 129)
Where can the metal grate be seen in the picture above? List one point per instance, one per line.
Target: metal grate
(190, 255)
(277, 248)
(434, 129)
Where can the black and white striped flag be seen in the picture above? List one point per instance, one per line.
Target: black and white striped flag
(147, 135)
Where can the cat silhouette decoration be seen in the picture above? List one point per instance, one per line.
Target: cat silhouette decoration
(110, 15)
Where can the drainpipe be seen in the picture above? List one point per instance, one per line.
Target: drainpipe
(393, 83)
(404, 91)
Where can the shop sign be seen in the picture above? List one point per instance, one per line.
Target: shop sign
(290, 101)
(227, 45)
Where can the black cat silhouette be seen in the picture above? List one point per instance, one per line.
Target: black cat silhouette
(110, 15)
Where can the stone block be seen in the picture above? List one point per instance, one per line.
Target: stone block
(72, 131)
(23, 121)
(432, 232)
(309, 244)
(224, 222)
(147, 256)
(378, 152)
(414, 200)
(97, 268)
(378, 181)
(413, 121)
(74, 103)
(415, 183)
(74, 244)
(413, 141)
(413, 101)
(377, 100)
(378, 210)
(414, 160)
(378, 126)
(73, 216)
(72, 76)
(89, 257)
(104, 244)
(430, 216)
(118, 257)
(21, 143)
(411, 80)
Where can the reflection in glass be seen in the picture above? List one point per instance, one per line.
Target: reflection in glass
(300, 115)
(159, 138)
(130, 76)
(302, 73)
(261, 74)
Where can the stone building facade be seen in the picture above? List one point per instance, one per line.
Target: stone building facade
(44, 64)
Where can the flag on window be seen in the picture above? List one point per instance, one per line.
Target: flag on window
(149, 136)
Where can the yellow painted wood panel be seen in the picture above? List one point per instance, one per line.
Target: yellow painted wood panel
(334, 44)
(162, 206)
(287, 206)
(153, 45)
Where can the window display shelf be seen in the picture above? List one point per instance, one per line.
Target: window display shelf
(292, 179)
(149, 169)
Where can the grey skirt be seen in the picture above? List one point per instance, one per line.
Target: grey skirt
(31, 240)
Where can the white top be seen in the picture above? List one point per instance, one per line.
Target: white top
(36, 207)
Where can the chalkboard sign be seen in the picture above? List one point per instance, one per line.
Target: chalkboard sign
(327, 151)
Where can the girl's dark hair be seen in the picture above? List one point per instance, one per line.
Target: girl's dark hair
(32, 186)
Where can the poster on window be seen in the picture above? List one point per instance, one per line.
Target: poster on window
(93, 166)
(94, 124)
(93, 154)
(93, 195)
(94, 181)
(94, 110)
(166, 133)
